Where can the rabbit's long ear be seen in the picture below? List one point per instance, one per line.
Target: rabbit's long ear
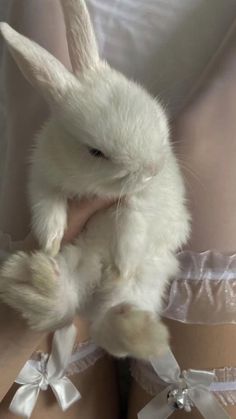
(81, 39)
(38, 66)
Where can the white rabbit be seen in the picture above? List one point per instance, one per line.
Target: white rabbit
(107, 137)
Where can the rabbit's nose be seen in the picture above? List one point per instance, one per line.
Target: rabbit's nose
(152, 169)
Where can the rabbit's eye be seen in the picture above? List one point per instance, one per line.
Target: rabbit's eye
(96, 153)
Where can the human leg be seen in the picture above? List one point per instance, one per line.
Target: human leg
(42, 21)
(205, 142)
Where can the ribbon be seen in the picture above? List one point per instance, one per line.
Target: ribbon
(185, 389)
(49, 371)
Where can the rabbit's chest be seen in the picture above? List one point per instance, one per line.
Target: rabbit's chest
(101, 230)
(108, 227)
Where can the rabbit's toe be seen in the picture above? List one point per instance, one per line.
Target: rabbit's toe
(32, 285)
(128, 331)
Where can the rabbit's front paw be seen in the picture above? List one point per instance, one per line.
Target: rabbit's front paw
(130, 243)
(32, 285)
(53, 245)
(50, 230)
(125, 262)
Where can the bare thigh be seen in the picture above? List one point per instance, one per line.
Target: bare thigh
(200, 347)
(97, 386)
(205, 141)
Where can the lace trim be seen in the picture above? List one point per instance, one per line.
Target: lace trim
(204, 291)
(84, 356)
(224, 386)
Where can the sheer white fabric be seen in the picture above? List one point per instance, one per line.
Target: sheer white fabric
(204, 292)
(158, 42)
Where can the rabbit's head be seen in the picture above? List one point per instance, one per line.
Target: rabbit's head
(111, 130)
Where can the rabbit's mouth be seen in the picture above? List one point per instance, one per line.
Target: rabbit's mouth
(125, 183)
(129, 185)
(119, 180)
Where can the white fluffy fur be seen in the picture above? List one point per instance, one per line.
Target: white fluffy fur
(118, 269)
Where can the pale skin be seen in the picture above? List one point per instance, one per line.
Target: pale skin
(205, 141)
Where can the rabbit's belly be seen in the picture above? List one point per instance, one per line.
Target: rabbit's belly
(145, 289)
(104, 290)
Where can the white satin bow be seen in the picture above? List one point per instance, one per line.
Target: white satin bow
(193, 387)
(49, 371)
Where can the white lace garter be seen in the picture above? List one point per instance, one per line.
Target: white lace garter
(44, 371)
(204, 292)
